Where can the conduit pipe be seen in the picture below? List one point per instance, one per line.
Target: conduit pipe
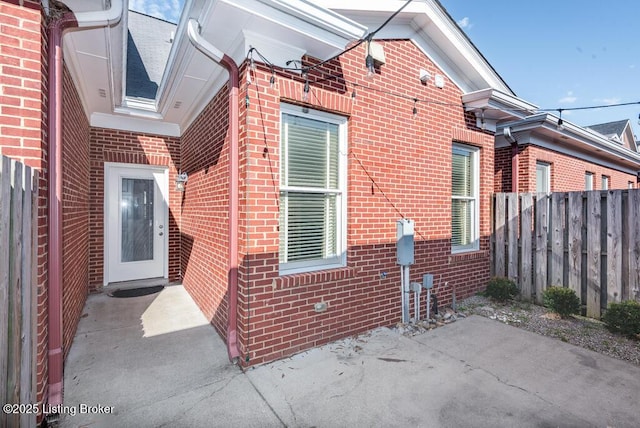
(55, 357)
(234, 194)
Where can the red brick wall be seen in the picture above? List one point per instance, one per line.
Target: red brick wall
(204, 227)
(107, 145)
(567, 173)
(21, 83)
(409, 158)
(75, 210)
(23, 86)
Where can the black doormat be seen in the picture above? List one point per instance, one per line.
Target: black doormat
(136, 292)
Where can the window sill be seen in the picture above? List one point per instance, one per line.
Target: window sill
(315, 277)
(468, 256)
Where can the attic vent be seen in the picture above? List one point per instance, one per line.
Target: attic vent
(177, 104)
(102, 93)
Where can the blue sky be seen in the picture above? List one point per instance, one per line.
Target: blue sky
(169, 10)
(561, 53)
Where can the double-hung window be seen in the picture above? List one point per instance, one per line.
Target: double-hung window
(465, 179)
(543, 177)
(312, 190)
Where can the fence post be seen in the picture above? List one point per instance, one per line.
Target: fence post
(614, 247)
(526, 231)
(500, 234)
(512, 246)
(557, 239)
(633, 217)
(5, 218)
(542, 227)
(575, 242)
(15, 293)
(593, 253)
(27, 419)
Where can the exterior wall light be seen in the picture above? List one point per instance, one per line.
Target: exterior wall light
(181, 181)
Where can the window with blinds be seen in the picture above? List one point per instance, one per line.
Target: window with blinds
(464, 199)
(312, 191)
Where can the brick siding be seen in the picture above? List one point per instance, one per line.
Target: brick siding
(567, 172)
(75, 210)
(409, 158)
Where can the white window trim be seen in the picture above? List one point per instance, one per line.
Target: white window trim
(475, 198)
(341, 204)
(547, 173)
(588, 180)
(605, 182)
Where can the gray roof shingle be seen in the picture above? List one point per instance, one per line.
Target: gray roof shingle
(148, 47)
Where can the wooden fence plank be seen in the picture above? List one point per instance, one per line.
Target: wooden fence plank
(15, 293)
(593, 253)
(512, 230)
(633, 217)
(27, 292)
(526, 231)
(500, 234)
(34, 296)
(575, 242)
(557, 239)
(542, 227)
(5, 218)
(614, 247)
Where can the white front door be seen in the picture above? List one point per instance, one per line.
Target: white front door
(136, 212)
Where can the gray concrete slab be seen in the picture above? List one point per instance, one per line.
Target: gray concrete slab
(155, 361)
(476, 372)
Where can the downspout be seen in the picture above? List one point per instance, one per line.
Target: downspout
(55, 357)
(514, 158)
(234, 193)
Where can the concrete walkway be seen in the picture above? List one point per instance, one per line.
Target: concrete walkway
(154, 361)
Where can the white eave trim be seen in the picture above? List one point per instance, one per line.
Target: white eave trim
(580, 136)
(134, 124)
(321, 17)
(492, 98)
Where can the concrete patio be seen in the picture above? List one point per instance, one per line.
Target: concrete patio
(154, 361)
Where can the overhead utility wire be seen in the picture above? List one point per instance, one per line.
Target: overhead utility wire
(366, 38)
(327, 77)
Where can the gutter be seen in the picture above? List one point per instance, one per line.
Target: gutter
(234, 193)
(55, 357)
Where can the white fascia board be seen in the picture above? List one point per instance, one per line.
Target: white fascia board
(498, 105)
(319, 16)
(134, 124)
(305, 18)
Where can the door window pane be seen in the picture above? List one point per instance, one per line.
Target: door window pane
(136, 210)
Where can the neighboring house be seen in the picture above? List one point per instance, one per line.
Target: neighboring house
(619, 131)
(295, 180)
(552, 158)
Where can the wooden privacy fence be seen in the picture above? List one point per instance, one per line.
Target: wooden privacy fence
(18, 272)
(587, 241)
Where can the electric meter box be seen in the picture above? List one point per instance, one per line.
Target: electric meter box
(405, 242)
(427, 281)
